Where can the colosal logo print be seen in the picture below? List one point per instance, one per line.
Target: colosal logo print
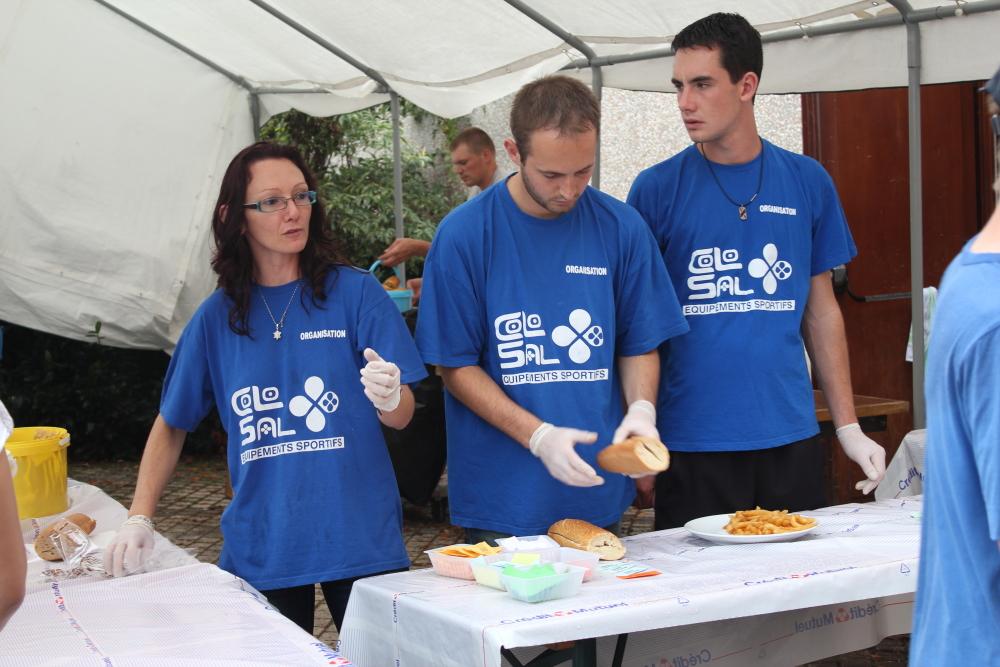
(521, 338)
(715, 272)
(257, 409)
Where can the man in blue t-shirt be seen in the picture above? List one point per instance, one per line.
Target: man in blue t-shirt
(957, 615)
(749, 233)
(537, 307)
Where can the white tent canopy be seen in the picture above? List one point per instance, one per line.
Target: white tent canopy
(120, 115)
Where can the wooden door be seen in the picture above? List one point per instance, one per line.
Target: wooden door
(861, 139)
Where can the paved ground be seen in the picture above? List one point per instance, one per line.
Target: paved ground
(193, 502)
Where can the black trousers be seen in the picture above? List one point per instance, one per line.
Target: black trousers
(705, 483)
(298, 602)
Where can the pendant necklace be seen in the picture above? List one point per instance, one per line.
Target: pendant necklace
(278, 323)
(741, 208)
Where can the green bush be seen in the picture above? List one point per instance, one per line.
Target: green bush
(351, 156)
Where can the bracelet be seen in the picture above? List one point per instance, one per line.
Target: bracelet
(140, 520)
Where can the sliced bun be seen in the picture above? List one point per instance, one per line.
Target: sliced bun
(635, 456)
(586, 536)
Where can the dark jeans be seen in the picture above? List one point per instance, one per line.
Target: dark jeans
(298, 602)
(701, 484)
(477, 535)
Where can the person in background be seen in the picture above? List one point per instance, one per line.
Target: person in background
(13, 561)
(749, 233)
(537, 310)
(474, 159)
(304, 357)
(957, 611)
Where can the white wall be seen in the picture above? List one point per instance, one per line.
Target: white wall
(641, 129)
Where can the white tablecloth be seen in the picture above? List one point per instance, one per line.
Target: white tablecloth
(182, 613)
(845, 586)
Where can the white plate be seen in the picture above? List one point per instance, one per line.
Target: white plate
(711, 528)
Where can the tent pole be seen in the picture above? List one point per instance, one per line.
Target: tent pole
(255, 115)
(913, 63)
(916, 223)
(917, 16)
(397, 176)
(598, 86)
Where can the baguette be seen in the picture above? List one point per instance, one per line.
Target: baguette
(46, 547)
(637, 455)
(587, 537)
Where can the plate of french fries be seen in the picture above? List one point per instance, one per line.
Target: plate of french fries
(749, 526)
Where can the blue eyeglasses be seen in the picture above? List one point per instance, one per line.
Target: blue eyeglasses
(272, 204)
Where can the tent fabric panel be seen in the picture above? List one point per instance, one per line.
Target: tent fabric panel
(246, 40)
(961, 49)
(427, 41)
(316, 104)
(105, 185)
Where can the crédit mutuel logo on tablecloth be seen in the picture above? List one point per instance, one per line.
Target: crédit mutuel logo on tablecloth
(261, 422)
(715, 273)
(524, 343)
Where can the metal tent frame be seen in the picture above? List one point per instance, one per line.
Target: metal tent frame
(906, 15)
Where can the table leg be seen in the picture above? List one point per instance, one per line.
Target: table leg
(585, 653)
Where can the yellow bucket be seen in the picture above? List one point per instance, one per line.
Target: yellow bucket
(40, 482)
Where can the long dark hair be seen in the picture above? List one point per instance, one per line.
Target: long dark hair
(233, 260)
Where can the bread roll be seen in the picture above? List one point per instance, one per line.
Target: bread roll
(587, 537)
(46, 547)
(635, 456)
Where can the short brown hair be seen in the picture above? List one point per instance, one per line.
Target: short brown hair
(553, 102)
(477, 140)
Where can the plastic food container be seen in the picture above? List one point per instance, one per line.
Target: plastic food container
(543, 545)
(489, 573)
(585, 559)
(403, 298)
(564, 583)
(456, 566)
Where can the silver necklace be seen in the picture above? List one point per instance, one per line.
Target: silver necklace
(741, 208)
(279, 323)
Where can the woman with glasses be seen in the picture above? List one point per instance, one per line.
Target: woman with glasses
(304, 357)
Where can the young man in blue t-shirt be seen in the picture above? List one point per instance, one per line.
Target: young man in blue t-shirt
(957, 616)
(749, 233)
(544, 303)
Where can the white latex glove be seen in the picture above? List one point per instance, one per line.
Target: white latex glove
(639, 420)
(555, 447)
(866, 453)
(130, 548)
(380, 379)
(6, 424)
(6, 429)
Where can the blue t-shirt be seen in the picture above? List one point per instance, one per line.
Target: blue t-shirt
(314, 494)
(957, 616)
(739, 380)
(544, 307)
